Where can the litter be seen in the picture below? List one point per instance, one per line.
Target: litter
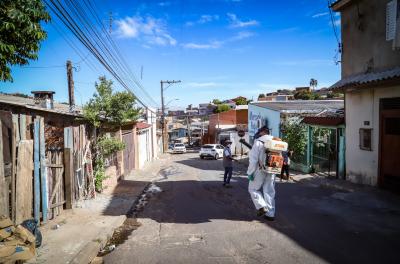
(18, 242)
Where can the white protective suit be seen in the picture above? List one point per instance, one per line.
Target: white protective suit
(263, 180)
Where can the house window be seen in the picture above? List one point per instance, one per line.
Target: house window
(366, 139)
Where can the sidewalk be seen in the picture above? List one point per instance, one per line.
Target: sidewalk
(356, 194)
(79, 234)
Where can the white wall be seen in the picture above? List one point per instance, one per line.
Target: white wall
(259, 115)
(363, 105)
(152, 120)
(144, 139)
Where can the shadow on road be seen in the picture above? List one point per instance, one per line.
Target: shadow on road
(330, 228)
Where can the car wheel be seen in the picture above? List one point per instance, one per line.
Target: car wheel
(201, 157)
(216, 156)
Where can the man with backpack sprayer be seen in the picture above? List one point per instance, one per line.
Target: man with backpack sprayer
(265, 161)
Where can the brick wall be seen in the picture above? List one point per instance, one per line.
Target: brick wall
(231, 117)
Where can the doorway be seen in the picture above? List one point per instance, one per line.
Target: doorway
(389, 147)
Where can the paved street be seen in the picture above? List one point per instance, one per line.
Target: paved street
(195, 220)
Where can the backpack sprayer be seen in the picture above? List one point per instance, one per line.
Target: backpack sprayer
(273, 160)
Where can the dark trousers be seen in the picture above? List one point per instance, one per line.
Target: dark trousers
(228, 174)
(285, 169)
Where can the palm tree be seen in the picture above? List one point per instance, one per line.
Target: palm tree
(313, 83)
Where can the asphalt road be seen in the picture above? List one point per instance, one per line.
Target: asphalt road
(195, 220)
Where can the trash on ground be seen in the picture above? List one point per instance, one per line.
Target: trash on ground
(16, 242)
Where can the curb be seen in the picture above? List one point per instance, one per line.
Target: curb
(92, 248)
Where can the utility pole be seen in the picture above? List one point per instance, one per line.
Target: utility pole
(163, 127)
(71, 97)
(188, 128)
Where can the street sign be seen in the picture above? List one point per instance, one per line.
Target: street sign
(241, 133)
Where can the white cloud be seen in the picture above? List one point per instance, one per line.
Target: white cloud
(211, 45)
(320, 15)
(311, 62)
(235, 22)
(150, 30)
(203, 19)
(242, 35)
(164, 3)
(218, 43)
(337, 22)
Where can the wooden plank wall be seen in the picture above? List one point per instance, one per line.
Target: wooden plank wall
(24, 188)
(36, 155)
(4, 205)
(43, 171)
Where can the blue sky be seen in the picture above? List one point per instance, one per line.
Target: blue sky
(219, 49)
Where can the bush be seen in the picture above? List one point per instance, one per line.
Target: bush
(222, 108)
(295, 134)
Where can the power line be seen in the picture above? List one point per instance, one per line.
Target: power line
(72, 12)
(335, 31)
(333, 22)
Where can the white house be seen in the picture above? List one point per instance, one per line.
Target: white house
(371, 83)
(273, 114)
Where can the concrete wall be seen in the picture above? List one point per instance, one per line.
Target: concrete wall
(258, 116)
(364, 38)
(363, 105)
(145, 148)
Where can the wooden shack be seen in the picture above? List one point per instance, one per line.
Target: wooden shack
(45, 157)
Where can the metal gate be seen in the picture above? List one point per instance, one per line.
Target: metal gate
(324, 155)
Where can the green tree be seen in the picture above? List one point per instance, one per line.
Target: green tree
(305, 95)
(216, 101)
(294, 133)
(261, 96)
(222, 108)
(20, 33)
(241, 101)
(108, 108)
(112, 107)
(313, 83)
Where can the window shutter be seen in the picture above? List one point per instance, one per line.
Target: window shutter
(391, 15)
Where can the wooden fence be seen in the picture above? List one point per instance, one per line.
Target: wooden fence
(45, 166)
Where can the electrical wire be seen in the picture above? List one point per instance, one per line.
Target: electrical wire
(333, 22)
(70, 14)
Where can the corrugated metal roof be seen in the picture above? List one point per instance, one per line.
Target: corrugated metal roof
(324, 120)
(366, 79)
(30, 104)
(303, 106)
(142, 125)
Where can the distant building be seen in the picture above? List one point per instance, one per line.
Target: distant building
(371, 83)
(206, 109)
(176, 113)
(225, 125)
(303, 89)
(276, 98)
(192, 111)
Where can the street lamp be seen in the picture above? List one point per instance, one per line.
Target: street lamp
(163, 108)
(170, 101)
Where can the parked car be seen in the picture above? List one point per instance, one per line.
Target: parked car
(214, 151)
(179, 148)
